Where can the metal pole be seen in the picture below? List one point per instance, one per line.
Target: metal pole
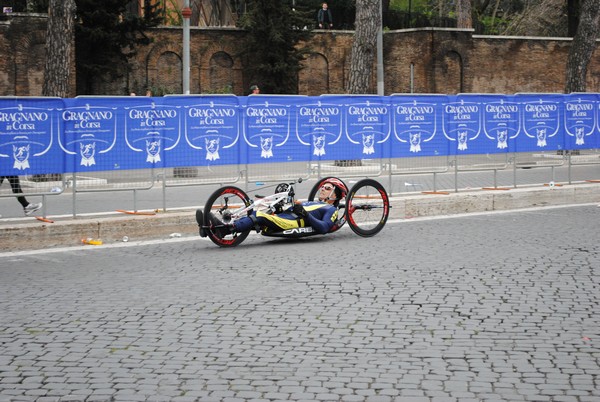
(390, 176)
(74, 192)
(380, 90)
(569, 170)
(186, 13)
(514, 162)
(164, 189)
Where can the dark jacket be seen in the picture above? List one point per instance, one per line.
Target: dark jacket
(324, 17)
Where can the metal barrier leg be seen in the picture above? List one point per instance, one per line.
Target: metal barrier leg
(455, 176)
(74, 191)
(390, 176)
(164, 190)
(514, 162)
(569, 167)
(44, 204)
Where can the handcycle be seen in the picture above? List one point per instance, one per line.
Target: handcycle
(365, 208)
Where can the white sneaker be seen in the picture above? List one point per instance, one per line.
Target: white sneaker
(31, 208)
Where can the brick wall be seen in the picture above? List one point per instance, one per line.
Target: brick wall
(23, 55)
(429, 60)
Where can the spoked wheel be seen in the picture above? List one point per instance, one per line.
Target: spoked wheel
(367, 207)
(221, 204)
(313, 194)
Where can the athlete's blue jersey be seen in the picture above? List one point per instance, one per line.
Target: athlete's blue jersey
(321, 217)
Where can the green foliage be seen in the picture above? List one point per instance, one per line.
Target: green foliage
(172, 13)
(442, 13)
(106, 37)
(226, 90)
(161, 90)
(403, 5)
(495, 26)
(273, 57)
(22, 6)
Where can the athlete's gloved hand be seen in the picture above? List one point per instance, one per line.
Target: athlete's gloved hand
(300, 211)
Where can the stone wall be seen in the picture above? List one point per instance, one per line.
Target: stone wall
(23, 55)
(429, 60)
(452, 61)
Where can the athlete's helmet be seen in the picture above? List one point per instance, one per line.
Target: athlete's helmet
(340, 188)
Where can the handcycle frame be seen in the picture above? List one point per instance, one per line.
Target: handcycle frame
(282, 199)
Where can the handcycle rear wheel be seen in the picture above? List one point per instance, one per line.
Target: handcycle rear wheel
(221, 204)
(315, 190)
(367, 207)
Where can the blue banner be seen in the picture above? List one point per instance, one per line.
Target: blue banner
(368, 126)
(211, 129)
(501, 123)
(417, 125)
(86, 134)
(543, 128)
(319, 125)
(28, 136)
(581, 120)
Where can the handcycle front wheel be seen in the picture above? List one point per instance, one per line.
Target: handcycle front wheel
(221, 204)
(367, 207)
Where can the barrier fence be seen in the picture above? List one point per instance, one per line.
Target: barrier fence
(414, 142)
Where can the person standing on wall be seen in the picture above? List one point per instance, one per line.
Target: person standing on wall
(324, 18)
(15, 184)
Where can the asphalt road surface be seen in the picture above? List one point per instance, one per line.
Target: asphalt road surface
(493, 307)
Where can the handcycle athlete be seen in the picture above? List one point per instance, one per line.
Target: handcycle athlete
(229, 214)
(321, 215)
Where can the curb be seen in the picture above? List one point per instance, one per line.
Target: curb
(110, 230)
(143, 227)
(494, 200)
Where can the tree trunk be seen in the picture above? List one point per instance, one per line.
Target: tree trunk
(463, 14)
(573, 7)
(495, 12)
(59, 41)
(364, 51)
(59, 46)
(583, 46)
(364, 47)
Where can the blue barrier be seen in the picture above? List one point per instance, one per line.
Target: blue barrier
(85, 134)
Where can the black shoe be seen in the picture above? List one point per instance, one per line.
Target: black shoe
(219, 228)
(200, 220)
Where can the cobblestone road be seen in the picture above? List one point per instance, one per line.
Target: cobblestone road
(494, 307)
